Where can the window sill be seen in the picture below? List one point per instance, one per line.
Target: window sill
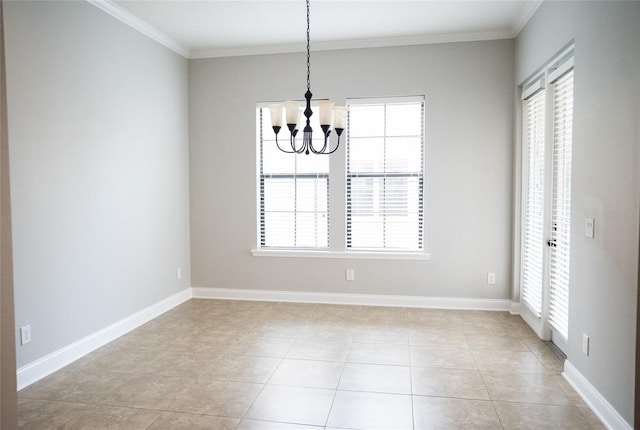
(333, 254)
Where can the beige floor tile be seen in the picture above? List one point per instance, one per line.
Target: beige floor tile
(109, 418)
(379, 354)
(183, 364)
(277, 330)
(376, 378)
(527, 416)
(321, 332)
(242, 368)
(360, 410)
(177, 421)
(311, 350)
(307, 373)
(391, 336)
(574, 398)
(505, 342)
(525, 387)
(442, 357)
(438, 337)
(76, 386)
(465, 384)
(271, 425)
(147, 391)
(260, 347)
(136, 360)
(436, 413)
(550, 361)
(492, 360)
(222, 398)
(294, 405)
(45, 414)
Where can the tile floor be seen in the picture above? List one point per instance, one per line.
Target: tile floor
(212, 364)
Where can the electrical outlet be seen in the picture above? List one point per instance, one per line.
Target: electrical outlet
(179, 273)
(585, 344)
(25, 335)
(491, 278)
(350, 275)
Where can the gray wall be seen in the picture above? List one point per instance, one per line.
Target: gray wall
(99, 170)
(469, 133)
(8, 397)
(603, 284)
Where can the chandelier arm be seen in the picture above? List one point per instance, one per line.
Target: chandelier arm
(324, 151)
(334, 149)
(293, 145)
(280, 148)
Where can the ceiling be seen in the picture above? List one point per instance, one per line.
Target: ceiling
(214, 28)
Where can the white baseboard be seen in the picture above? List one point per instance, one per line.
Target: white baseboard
(50, 363)
(353, 299)
(515, 308)
(598, 404)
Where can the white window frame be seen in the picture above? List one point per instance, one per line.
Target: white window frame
(336, 181)
(294, 176)
(421, 179)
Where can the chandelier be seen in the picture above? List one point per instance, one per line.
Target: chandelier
(329, 115)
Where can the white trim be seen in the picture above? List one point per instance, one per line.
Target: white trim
(529, 8)
(50, 363)
(352, 299)
(558, 71)
(515, 308)
(426, 39)
(364, 101)
(600, 406)
(533, 321)
(533, 87)
(143, 27)
(333, 254)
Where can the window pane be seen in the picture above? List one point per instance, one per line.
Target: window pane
(385, 177)
(366, 120)
(404, 120)
(366, 155)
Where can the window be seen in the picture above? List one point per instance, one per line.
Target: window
(293, 193)
(385, 175)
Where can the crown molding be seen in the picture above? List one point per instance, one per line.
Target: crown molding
(530, 7)
(148, 30)
(137, 24)
(352, 44)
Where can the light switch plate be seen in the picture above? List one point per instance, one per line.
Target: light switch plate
(589, 228)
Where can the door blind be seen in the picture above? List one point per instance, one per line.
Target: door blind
(561, 204)
(533, 214)
(385, 163)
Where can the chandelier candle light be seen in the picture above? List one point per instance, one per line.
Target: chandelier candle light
(329, 115)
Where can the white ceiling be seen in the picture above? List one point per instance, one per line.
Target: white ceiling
(213, 28)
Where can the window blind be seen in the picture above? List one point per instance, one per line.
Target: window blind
(385, 175)
(561, 204)
(533, 214)
(294, 193)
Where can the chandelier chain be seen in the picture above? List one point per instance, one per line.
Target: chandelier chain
(308, 50)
